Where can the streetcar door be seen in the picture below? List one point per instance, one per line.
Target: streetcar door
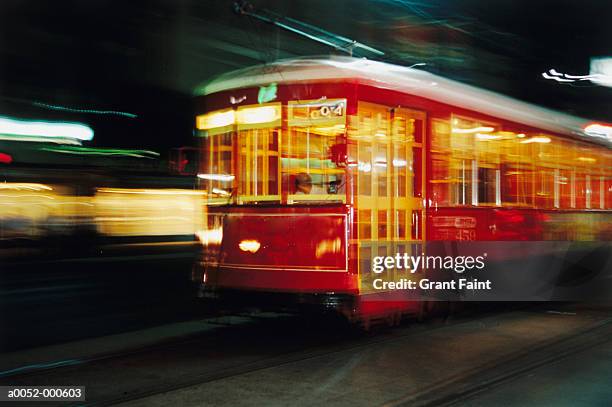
(387, 145)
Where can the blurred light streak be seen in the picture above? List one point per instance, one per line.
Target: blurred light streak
(58, 140)
(309, 31)
(602, 67)
(217, 177)
(587, 159)
(547, 76)
(25, 186)
(148, 211)
(597, 78)
(536, 140)
(77, 110)
(473, 130)
(50, 130)
(40, 366)
(150, 191)
(210, 236)
(481, 136)
(103, 152)
(5, 158)
(599, 130)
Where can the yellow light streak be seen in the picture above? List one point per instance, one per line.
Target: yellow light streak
(536, 140)
(141, 191)
(24, 186)
(481, 129)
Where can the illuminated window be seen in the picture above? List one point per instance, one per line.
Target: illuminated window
(216, 169)
(312, 161)
(387, 167)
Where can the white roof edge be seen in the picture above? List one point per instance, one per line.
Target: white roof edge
(407, 80)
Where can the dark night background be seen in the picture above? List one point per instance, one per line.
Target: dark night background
(146, 57)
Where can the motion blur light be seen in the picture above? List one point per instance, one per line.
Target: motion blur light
(481, 136)
(599, 130)
(24, 186)
(481, 129)
(5, 158)
(598, 75)
(216, 177)
(536, 140)
(210, 236)
(142, 191)
(24, 129)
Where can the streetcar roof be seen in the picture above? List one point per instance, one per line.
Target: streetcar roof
(411, 81)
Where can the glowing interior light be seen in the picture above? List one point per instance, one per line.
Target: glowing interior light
(380, 134)
(481, 136)
(481, 129)
(215, 119)
(249, 246)
(586, 159)
(24, 186)
(217, 177)
(536, 140)
(257, 115)
(521, 135)
(599, 130)
(45, 130)
(210, 236)
(399, 163)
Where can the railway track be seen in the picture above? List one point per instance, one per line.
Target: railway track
(233, 325)
(457, 390)
(174, 355)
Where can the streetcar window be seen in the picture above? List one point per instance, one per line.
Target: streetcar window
(440, 177)
(316, 129)
(258, 165)
(517, 187)
(487, 185)
(216, 172)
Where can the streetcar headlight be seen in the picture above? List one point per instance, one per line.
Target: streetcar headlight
(249, 246)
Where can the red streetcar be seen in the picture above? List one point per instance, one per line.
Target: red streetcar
(315, 166)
